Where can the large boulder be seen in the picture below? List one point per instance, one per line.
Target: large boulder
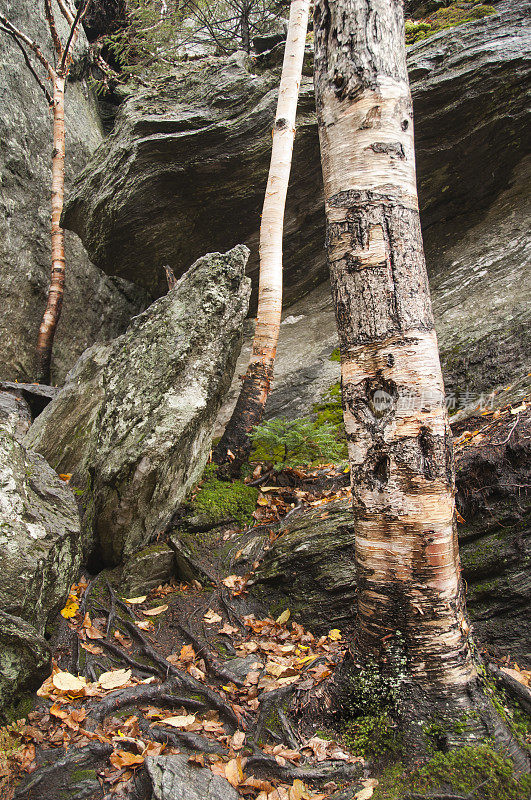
(96, 307)
(310, 567)
(40, 554)
(133, 423)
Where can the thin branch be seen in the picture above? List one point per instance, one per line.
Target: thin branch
(33, 46)
(29, 64)
(65, 11)
(50, 19)
(73, 32)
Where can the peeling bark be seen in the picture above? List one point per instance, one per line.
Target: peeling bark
(235, 445)
(399, 440)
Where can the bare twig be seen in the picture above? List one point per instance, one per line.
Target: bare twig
(29, 64)
(72, 36)
(50, 19)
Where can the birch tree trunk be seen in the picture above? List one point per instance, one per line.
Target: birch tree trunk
(410, 592)
(235, 445)
(54, 303)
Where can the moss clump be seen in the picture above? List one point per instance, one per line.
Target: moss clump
(373, 737)
(335, 355)
(329, 409)
(220, 501)
(476, 772)
(455, 14)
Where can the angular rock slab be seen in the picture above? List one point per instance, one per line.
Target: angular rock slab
(24, 658)
(40, 538)
(40, 554)
(133, 422)
(173, 778)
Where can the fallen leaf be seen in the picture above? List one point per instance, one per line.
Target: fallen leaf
(180, 721)
(144, 624)
(68, 683)
(284, 617)
(114, 679)
(135, 601)
(211, 618)
(234, 771)
(122, 758)
(298, 791)
(334, 635)
(91, 648)
(70, 610)
(187, 653)
(237, 740)
(153, 612)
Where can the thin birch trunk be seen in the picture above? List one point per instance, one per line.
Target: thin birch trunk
(410, 592)
(235, 443)
(54, 303)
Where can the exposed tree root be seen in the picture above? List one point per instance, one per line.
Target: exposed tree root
(161, 694)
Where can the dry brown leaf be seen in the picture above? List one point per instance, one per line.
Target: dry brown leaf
(154, 612)
(122, 758)
(180, 721)
(114, 679)
(187, 653)
(91, 648)
(144, 625)
(135, 601)
(211, 618)
(237, 740)
(234, 771)
(67, 683)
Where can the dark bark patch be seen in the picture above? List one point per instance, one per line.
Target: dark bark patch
(389, 148)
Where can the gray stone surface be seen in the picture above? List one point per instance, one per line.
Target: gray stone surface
(173, 778)
(24, 658)
(189, 159)
(480, 281)
(15, 415)
(134, 420)
(40, 554)
(147, 569)
(189, 155)
(95, 306)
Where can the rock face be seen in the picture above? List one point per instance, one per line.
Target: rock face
(95, 306)
(134, 420)
(188, 160)
(40, 553)
(173, 778)
(310, 568)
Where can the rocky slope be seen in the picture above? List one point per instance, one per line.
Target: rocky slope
(96, 307)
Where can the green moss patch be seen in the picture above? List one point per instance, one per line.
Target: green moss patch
(455, 14)
(220, 501)
(476, 772)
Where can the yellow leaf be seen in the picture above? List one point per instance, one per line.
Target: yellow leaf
(68, 683)
(284, 617)
(135, 601)
(298, 791)
(153, 612)
(114, 679)
(334, 635)
(234, 771)
(71, 609)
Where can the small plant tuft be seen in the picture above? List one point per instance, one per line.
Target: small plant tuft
(294, 443)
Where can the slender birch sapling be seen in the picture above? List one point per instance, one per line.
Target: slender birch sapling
(235, 444)
(55, 77)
